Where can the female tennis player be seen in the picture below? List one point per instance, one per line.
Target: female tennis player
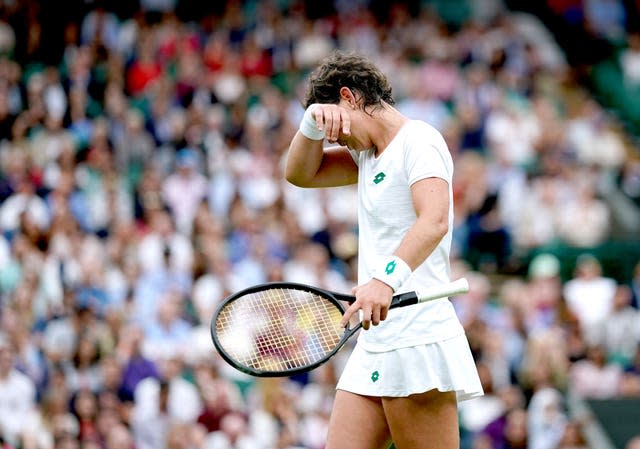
(410, 366)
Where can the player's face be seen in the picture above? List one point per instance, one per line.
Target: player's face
(354, 140)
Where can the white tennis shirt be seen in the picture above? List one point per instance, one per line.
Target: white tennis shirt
(385, 214)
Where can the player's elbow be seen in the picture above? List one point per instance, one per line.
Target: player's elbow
(295, 177)
(441, 227)
(297, 173)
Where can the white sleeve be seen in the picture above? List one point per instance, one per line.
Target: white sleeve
(427, 156)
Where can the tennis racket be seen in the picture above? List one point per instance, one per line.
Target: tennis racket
(283, 328)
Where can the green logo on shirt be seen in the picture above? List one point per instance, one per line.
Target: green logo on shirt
(390, 268)
(375, 376)
(379, 177)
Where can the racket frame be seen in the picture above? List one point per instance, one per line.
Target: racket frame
(333, 297)
(399, 300)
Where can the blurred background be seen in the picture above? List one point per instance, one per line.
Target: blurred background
(141, 149)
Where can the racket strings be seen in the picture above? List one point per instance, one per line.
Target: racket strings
(279, 329)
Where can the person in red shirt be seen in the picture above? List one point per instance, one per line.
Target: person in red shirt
(144, 70)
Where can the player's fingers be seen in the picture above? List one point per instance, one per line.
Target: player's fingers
(318, 115)
(375, 316)
(346, 317)
(366, 317)
(333, 132)
(383, 313)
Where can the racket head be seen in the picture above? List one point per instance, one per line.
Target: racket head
(279, 329)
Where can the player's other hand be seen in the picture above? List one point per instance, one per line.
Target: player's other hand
(374, 299)
(333, 119)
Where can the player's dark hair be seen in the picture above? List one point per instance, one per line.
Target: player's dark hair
(350, 70)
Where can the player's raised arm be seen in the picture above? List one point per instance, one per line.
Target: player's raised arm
(309, 163)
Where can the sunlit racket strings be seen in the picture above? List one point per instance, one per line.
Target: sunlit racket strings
(279, 329)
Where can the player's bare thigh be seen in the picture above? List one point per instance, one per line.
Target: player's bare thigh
(423, 421)
(357, 422)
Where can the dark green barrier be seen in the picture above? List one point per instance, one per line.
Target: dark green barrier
(619, 418)
(618, 258)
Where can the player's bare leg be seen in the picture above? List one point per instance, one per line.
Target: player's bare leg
(423, 421)
(357, 422)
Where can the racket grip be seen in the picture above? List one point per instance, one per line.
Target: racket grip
(430, 293)
(456, 287)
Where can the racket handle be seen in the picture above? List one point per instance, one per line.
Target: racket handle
(430, 293)
(442, 291)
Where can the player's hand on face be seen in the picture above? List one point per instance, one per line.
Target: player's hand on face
(332, 119)
(374, 299)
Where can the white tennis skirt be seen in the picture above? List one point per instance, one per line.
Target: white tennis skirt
(446, 365)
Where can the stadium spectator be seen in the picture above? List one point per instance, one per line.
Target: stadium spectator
(18, 395)
(547, 421)
(630, 60)
(589, 295)
(150, 428)
(170, 398)
(136, 366)
(184, 190)
(167, 334)
(83, 371)
(621, 328)
(595, 377)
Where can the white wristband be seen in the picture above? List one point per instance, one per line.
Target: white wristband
(393, 271)
(308, 125)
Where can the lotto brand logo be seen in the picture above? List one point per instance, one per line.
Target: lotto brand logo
(378, 178)
(390, 268)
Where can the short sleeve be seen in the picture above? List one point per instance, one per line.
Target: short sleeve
(427, 155)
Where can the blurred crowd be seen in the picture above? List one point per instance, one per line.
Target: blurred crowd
(141, 182)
